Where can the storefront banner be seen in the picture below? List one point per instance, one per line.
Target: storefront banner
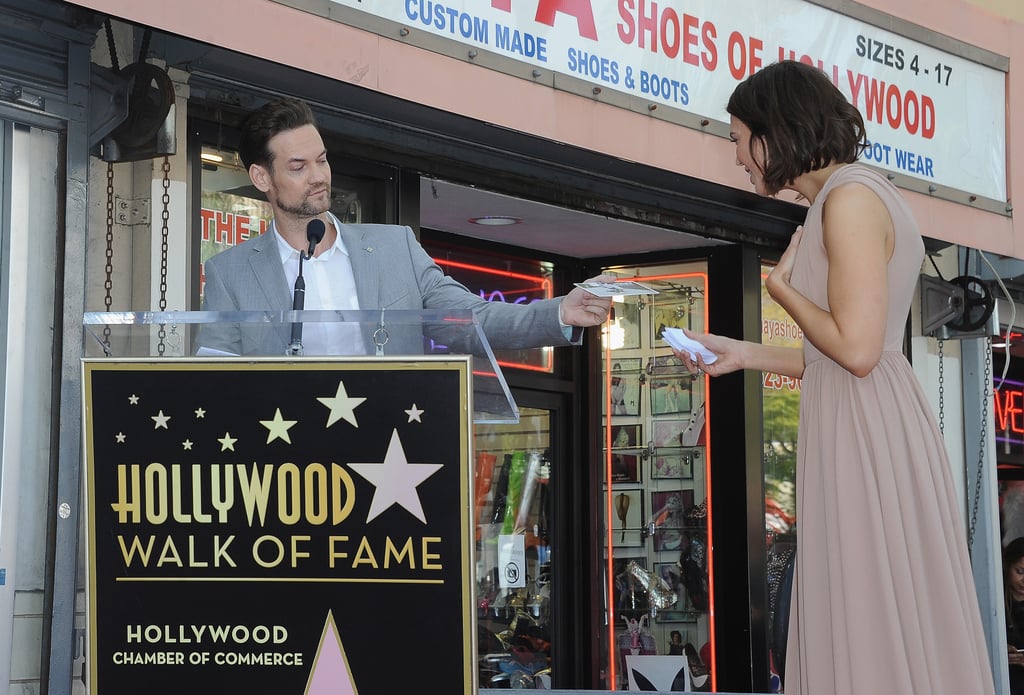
(278, 526)
(930, 115)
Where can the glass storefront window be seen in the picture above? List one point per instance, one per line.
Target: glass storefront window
(500, 278)
(781, 408)
(659, 599)
(232, 210)
(512, 511)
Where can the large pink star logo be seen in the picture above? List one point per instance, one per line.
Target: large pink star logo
(396, 480)
(330, 674)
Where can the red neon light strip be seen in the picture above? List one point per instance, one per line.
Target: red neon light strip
(707, 496)
(542, 283)
(546, 367)
(610, 540)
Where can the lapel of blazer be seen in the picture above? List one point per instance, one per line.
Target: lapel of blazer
(265, 262)
(365, 268)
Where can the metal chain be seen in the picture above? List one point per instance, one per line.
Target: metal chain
(942, 391)
(108, 283)
(982, 438)
(112, 47)
(165, 216)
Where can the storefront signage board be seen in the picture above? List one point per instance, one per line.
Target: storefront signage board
(278, 526)
(930, 114)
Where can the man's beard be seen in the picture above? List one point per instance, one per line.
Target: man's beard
(306, 208)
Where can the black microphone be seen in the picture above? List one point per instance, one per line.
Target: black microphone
(314, 233)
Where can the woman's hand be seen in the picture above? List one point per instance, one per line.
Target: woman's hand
(1015, 657)
(728, 350)
(783, 271)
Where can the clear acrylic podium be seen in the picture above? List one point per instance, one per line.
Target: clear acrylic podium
(249, 334)
(214, 480)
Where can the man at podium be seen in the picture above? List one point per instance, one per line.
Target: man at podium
(309, 260)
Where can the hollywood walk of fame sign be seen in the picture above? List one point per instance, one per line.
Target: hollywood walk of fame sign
(278, 526)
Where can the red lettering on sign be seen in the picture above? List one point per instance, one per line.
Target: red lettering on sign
(709, 58)
(777, 382)
(690, 26)
(915, 113)
(580, 9)
(205, 218)
(222, 232)
(647, 26)
(228, 229)
(832, 72)
(744, 55)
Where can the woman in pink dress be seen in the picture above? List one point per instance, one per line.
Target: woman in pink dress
(883, 596)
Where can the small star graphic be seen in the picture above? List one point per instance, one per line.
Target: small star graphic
(396, 480)
(414, 413)
(227, 442)
(161, 420)
(120, 437)
(278, 427)
(342, 406)
(133, 399)
(200, 413)
(187, 445)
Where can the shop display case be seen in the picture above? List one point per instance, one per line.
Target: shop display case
(512, 513)
(657, 538)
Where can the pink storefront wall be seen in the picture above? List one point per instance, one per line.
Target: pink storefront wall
(319, 45)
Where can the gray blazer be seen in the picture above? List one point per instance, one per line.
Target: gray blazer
(392, 271)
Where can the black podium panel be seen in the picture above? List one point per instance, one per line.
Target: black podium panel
(278, 526)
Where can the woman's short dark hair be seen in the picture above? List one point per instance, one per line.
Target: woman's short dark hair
(1012, 554)
(270, 119)
(799, 119)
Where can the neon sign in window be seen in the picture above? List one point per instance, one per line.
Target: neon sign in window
(502, 285)
(1008, 403)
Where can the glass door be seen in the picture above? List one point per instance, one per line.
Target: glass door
(659, 601)
(517, 469)
(781, 408)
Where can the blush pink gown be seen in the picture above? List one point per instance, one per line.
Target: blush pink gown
(883, 597)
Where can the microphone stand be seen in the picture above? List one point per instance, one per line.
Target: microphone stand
(314, 234)
(298, 302)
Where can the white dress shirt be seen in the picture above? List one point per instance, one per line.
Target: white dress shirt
(330, 284)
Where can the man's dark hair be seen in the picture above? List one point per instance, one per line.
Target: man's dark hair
(799, 119)
(270, 119)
